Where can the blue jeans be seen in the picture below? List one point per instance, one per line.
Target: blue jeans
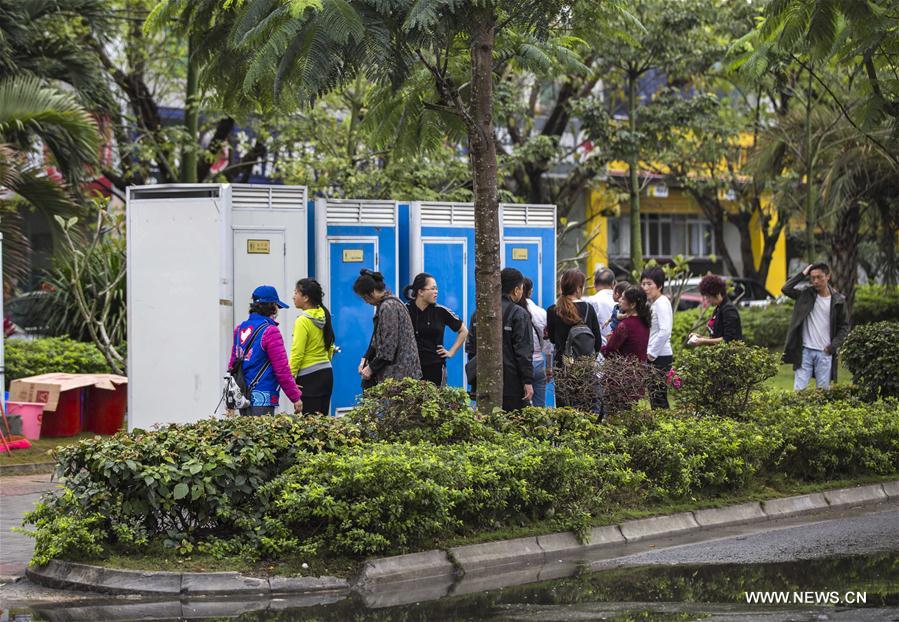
(539, 398)
(814, 363)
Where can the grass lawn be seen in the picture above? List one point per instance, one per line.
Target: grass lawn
(37, 453)
(784, 378)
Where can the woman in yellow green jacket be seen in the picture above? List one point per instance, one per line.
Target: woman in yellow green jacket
(312, 348)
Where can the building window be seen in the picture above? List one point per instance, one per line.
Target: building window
(664, 235)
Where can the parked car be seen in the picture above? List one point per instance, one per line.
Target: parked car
(744, 292)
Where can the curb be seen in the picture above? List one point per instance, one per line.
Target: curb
(29, 468)
(69, 575)
(526, 555)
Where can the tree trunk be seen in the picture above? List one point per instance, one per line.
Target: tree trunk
(741, 221)
(191, 118)
(810, 218)
(482, 148)
(634, 184)
(845, 251)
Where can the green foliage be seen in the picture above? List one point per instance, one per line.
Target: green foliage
(875, 303)
(686, 322)
(184, 482)
(767, 327)
(30, 357)
(822, 440)
(684, 456)
(870, 354)
(383, 497)
(64, 530)
(718, 380)
(416, 411)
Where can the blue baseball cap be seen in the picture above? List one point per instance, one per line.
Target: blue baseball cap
(267, 293)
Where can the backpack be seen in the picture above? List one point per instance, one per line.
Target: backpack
(237, 391)
(580, 342)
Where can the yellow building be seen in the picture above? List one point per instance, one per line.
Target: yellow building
(672, 224)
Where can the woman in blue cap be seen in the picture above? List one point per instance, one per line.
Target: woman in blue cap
(258, 342)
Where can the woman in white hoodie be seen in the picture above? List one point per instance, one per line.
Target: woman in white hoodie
(658, 352)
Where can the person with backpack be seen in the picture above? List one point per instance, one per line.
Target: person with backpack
(518, 369)
(259, 349)
(429, 320)
(392, 351)
(572, 325)
(312, 347)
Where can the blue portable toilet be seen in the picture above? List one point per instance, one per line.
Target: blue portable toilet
(350, 235)
(529, 244)
(441, 243)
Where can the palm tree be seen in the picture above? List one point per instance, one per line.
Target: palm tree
(35, 116)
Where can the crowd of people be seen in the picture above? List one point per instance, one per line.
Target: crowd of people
(619, 319)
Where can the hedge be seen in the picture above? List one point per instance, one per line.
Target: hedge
(875, 303)
(31, 357)
(273, 486)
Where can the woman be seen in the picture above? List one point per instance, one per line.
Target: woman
(725, 325)
(392, 351)
(659, 351)
(631, 335)
(312, 347)
(258, 342)
(542, 347)
(568, 312)
(429, 320)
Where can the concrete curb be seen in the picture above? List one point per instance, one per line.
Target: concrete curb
(30, 468)
(69, 575)
(508, 559)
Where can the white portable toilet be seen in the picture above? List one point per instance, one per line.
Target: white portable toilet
(195, 253)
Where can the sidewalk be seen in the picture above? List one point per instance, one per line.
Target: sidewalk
(18, 494)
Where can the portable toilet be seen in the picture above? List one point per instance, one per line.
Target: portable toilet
(441, 243)
(529, 244)
(195, 253)
(350, 235)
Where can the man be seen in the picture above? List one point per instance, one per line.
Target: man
(542, 357)
(518, 369)
(819, 324)
(602, 301)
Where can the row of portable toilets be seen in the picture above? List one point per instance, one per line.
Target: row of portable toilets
(196, 252)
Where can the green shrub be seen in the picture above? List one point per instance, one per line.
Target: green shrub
(183, 482)
(388, 497)
(719, 380)
(767, 327)
(417, 410)
(875, 303)
(31, 357)
(684, 456)
(556, 425)
(870, 354)
(828, 440)
(685, 322)
(64, 530)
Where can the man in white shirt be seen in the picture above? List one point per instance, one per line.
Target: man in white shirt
(602, 301)
(658, 351)
(818, 326)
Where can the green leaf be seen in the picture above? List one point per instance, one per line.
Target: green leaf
(181, 491)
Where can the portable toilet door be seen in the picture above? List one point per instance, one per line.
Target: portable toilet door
(269, 227)
(529, 244)
(351, 235)
(441, 243)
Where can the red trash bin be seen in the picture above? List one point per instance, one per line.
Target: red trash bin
(66, 419)
(106, 409)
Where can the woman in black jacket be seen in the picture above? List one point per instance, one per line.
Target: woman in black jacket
(725, 325)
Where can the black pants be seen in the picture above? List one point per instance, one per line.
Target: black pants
(434, 373)
(514, 402)
(317, 388)
(658, 392)
(257, 411)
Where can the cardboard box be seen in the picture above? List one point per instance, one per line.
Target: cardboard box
(47, 387)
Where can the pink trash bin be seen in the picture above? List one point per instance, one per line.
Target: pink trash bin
(32, 414)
